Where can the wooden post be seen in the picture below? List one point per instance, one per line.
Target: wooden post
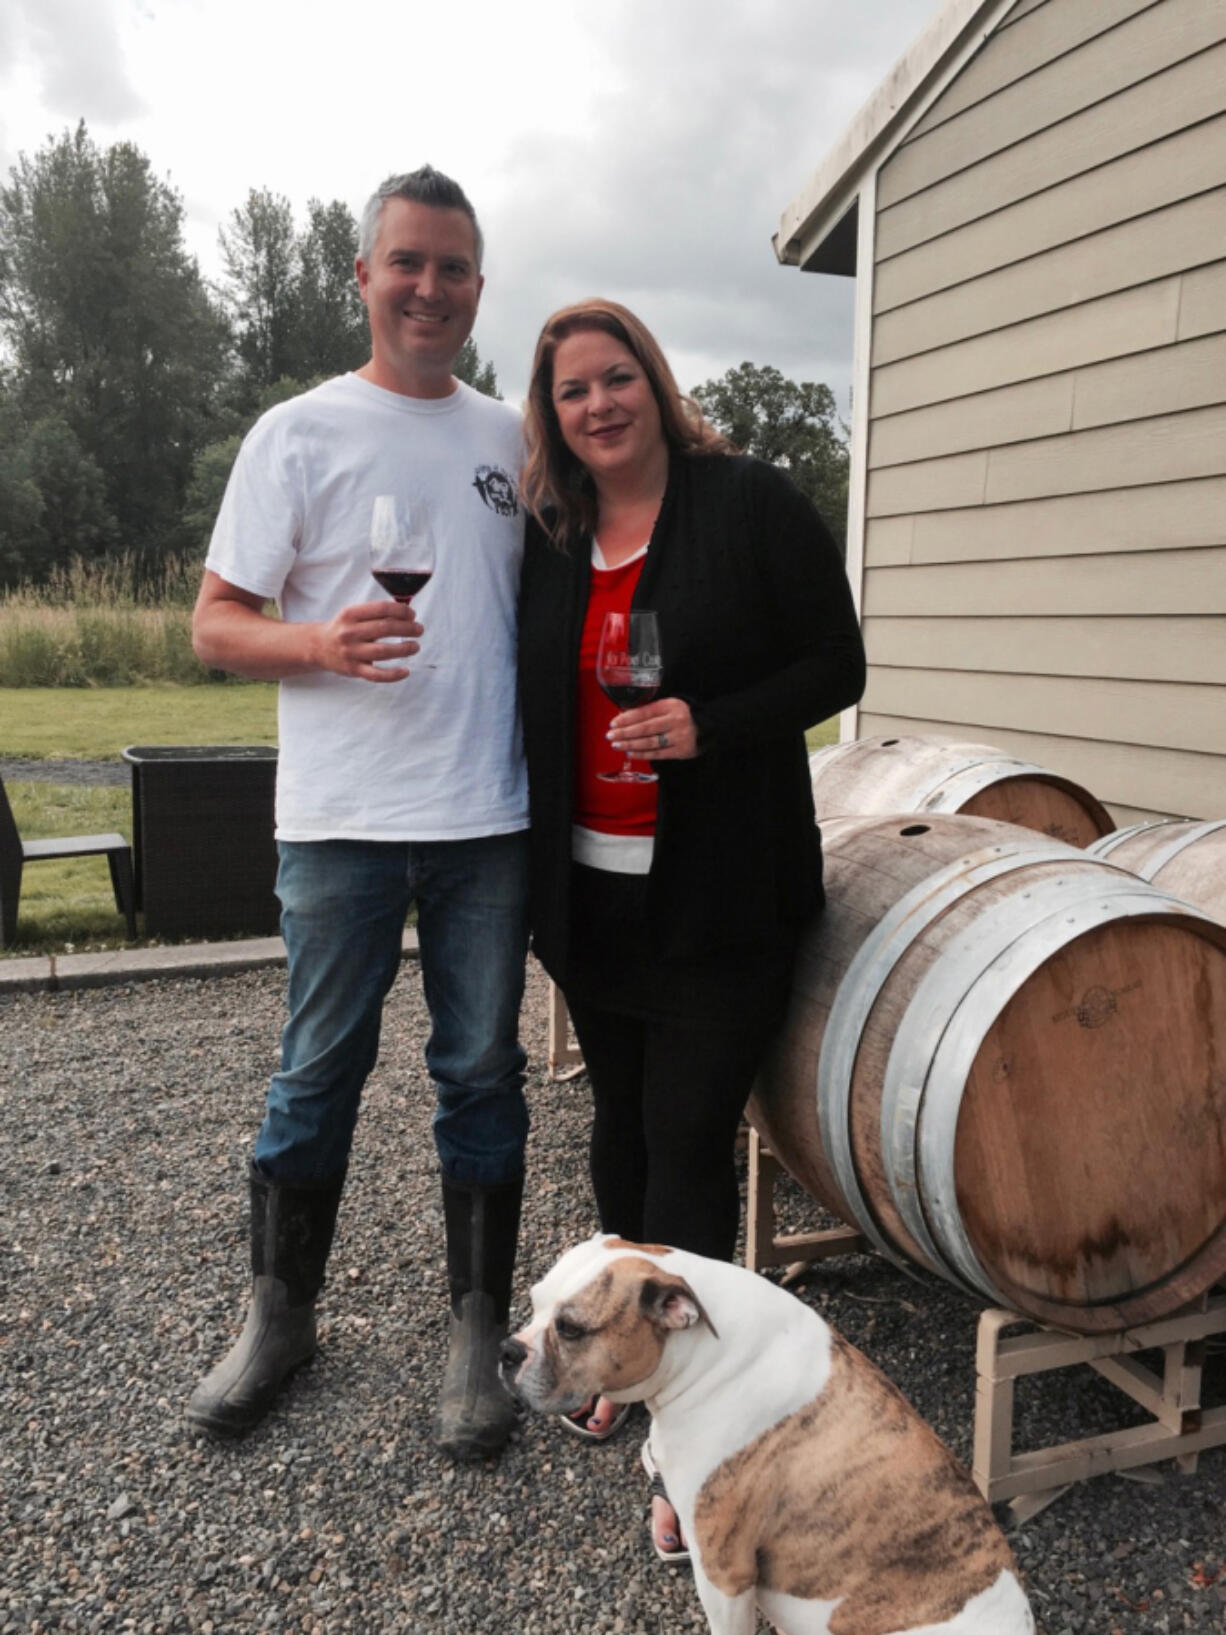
(565, 1057)
(797, 1249)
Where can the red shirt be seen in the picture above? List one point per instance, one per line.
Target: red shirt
(609, 808)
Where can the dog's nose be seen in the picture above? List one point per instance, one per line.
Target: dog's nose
(512, 1353)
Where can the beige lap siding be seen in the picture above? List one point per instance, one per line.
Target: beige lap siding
(1045, 491)
(1058, 29)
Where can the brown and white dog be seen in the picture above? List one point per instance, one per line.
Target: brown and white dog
(805, 1484)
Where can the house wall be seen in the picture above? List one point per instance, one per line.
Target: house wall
(1044, 552)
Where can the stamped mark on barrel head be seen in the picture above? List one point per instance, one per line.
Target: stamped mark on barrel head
(1096, 1006)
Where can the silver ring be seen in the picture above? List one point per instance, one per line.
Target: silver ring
(663, 737)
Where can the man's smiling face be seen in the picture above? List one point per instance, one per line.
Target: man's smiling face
(421, 287)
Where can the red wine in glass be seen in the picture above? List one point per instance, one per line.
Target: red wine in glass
(628, 695)
(401, 551)
(629, 671)
(402, 584)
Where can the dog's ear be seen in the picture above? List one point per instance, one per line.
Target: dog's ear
(669, 1303)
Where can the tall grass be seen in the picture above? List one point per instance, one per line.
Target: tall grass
(102, 624)
(119, 580)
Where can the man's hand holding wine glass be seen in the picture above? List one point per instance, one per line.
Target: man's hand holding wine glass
(366, 641)
(359, 640)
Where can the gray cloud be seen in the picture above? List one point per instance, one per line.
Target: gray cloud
(69, 50)
(713, 121)
(73, 48)
(688, 129)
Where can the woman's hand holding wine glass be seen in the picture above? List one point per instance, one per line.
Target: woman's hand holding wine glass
(648, 728)
(629, 669)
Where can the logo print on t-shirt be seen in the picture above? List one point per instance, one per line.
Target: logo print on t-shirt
(496, 490)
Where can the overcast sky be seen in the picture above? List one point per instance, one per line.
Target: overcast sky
(639, 149)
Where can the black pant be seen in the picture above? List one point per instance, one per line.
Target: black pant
(671, 1049)
(668, 1098)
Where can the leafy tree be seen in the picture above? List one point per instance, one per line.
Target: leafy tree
(76, 520)
(292, 297)
(210, 475)
(110, 332)
(281, 391)
(791, 423)
(52, 498)
(21, 509)
(330, 331)
(469, 368)
(260, 257)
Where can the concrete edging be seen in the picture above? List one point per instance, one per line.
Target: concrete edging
(55, 973)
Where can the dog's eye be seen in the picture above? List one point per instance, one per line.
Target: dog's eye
(566, 1330)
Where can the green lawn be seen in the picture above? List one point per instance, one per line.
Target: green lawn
(96, 723)
(66, 904)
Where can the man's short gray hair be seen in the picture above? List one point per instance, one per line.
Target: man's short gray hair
(422, 186)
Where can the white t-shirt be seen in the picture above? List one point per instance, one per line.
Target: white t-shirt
(438, 756)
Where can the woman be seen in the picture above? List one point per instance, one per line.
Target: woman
(668, 911)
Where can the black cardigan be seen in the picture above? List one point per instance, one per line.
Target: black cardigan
(759, 634)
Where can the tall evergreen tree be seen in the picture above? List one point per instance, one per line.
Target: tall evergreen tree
(292, 297)
(108, 325)
(330, 332)
(469, 368)
(260, 257)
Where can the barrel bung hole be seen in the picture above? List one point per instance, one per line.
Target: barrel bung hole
(915, 829)
(888, 743)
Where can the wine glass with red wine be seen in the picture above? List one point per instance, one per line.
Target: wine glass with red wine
(628, 668)
(401, 548)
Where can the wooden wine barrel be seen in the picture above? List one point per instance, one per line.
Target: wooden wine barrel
(1005, 1061)
(1185, 858)
(887, 775)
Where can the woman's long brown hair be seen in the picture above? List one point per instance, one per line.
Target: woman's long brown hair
(555, 486)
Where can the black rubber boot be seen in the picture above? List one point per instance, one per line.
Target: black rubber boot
(291, 1234)
(476, 1414)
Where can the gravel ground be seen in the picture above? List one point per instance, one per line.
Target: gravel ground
(129, 1115)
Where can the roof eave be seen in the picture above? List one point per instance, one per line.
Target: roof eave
(824, 205)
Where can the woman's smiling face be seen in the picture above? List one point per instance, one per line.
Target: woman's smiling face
(607, 412)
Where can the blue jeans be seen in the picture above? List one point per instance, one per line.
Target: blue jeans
(343, 908)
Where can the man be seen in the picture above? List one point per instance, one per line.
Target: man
(398, 780)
